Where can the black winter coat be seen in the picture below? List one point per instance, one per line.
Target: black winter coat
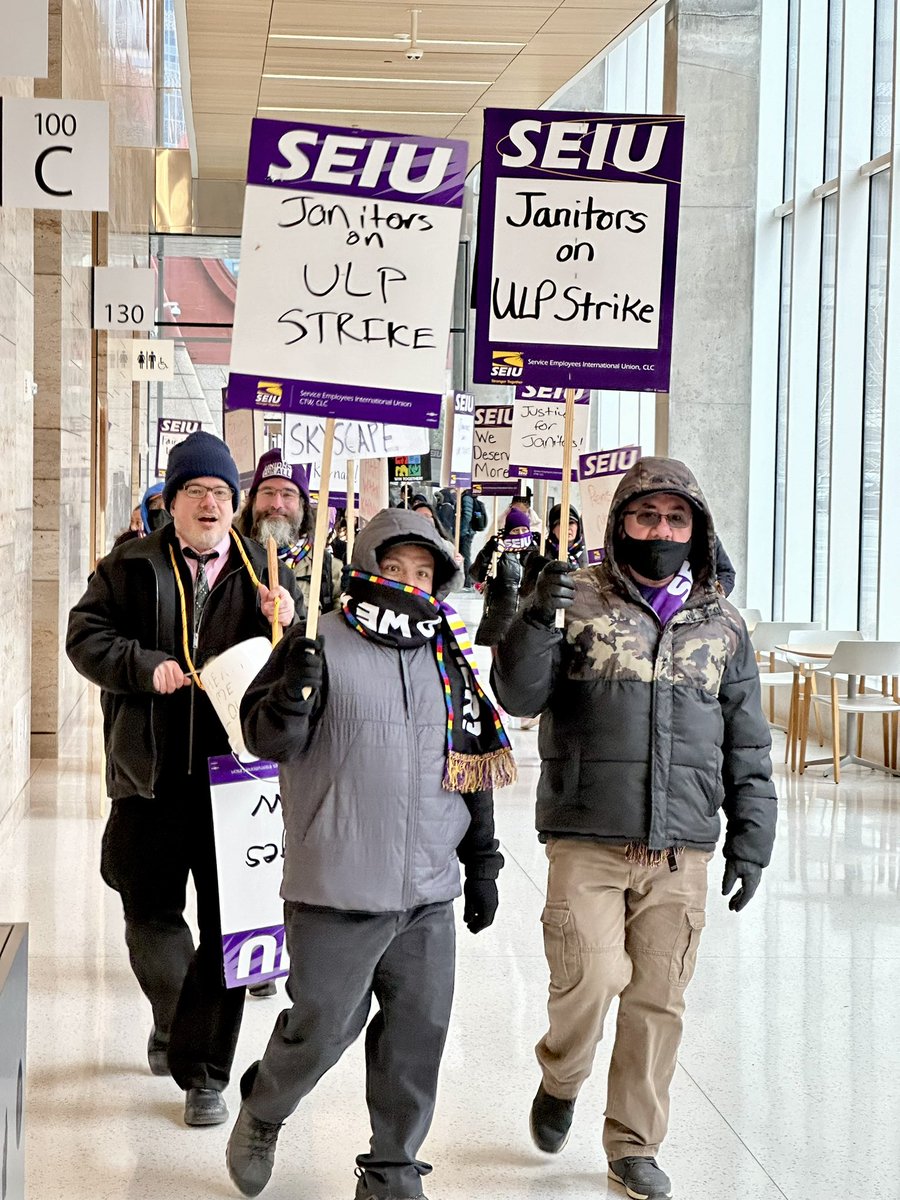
(646, 730)
(501, 591)
(127, 623)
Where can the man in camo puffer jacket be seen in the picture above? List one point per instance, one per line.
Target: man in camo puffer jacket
(651, 722)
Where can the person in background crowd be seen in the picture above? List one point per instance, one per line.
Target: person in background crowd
(424, 508)
(155, 611)
(278, 505)
(149, 515)
(498, 570)
(651, 720)
(535, 561)
(389, 754)
(523, 503)
(338, 538)
(724, 568)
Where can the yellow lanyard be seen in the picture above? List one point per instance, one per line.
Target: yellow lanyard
(192, 670)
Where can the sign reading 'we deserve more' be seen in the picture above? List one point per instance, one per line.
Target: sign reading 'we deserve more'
(577, 228)
(348, 263)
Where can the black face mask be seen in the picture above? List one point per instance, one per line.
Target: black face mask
(654, 558)
(158, 517)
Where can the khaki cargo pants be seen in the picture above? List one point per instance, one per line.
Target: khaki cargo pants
(619, 928)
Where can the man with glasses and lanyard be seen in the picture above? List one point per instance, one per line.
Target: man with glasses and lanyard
(155, 611)
(651, 721)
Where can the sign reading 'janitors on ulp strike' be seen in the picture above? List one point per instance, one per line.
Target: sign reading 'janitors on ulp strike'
(348, 260)
(577, 225)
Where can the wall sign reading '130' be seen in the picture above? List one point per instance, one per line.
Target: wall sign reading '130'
(124, 298)
(55, 154)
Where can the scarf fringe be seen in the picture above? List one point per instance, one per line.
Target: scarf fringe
(478, 772)
(640, 852)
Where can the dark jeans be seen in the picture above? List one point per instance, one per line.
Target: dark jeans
(339, 961)
(149, 848)
(465, 549)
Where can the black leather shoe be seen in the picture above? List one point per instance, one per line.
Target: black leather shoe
(262, 991)
(551, 1121)
(157, 1053)
(204, 1106)
(250, 1155)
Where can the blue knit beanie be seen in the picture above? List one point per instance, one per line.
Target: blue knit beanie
(200, 454)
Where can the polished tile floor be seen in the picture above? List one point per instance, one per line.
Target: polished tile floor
(788, 1083)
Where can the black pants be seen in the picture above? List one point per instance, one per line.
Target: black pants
(339, 961)
(149, 848)
(465, 549)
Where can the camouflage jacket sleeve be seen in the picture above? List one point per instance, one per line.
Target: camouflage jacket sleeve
(750, 802)
(526, 667)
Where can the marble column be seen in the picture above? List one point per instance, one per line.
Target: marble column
(712, 76)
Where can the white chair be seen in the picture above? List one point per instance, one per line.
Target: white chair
(856, 660)
(806, 668)
(765, 637)
(752, 617)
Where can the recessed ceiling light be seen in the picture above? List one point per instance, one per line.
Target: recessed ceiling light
(386, 41)
(367, 112)
(383, 79)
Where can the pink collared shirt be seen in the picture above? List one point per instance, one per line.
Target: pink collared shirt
(213, 568)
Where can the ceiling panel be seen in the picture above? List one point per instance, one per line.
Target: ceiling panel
(504, 54)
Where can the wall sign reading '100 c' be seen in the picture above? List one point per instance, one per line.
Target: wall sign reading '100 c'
(53, 124)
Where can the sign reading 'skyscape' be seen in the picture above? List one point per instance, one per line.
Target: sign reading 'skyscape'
(577, 228)
(348, 261)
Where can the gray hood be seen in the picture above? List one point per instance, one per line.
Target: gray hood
(393, 525)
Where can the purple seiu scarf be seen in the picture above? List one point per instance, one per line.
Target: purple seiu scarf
(666, 601)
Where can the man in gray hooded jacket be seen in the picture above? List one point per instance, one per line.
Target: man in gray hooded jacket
(386, 786)
(651, 722)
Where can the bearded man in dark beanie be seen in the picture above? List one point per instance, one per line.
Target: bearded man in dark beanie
(277, 505)
(651, 721)
(389, 754)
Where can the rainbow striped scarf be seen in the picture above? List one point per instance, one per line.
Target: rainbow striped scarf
(397, 614)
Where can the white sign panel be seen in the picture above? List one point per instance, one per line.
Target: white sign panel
(305, 436)
(55, 154)
(490, 449)
(124, 298)
(599, 474)
(153, 361)
(23, 46)
(169, 432)
(460, 439)
(338, 483)
(537, 438)
(249, 833)
(373, 487)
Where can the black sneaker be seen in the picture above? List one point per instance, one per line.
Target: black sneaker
(641, 1178)
(364, 1190)
(250, 1155)
(551, 1121)
(157, 1053)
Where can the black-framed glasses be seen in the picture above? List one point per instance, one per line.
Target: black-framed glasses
(198, 491)
(649, 518)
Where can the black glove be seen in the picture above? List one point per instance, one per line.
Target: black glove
(554, 589)
(481, 900)
(749, 874)
(304, 669)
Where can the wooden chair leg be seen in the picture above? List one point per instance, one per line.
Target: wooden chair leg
(820, 733)
(789, 728)
(860, 720)
(804, 720)
(795, 719)
(886, 726)
(771, 692)
(836, 730)
(895, 723)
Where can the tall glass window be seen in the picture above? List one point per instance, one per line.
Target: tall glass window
(833, 88)
(790, 118)
(873, 404)
(823, 410)
(883, 98)
(781, 433)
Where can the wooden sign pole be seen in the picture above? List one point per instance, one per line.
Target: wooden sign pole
(351, 507)
(568, 433)
(458, 518)
(272, 551)
(321, 532)
(494, 525)
(541, 506)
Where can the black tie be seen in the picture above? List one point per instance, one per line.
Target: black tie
(201, 584)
